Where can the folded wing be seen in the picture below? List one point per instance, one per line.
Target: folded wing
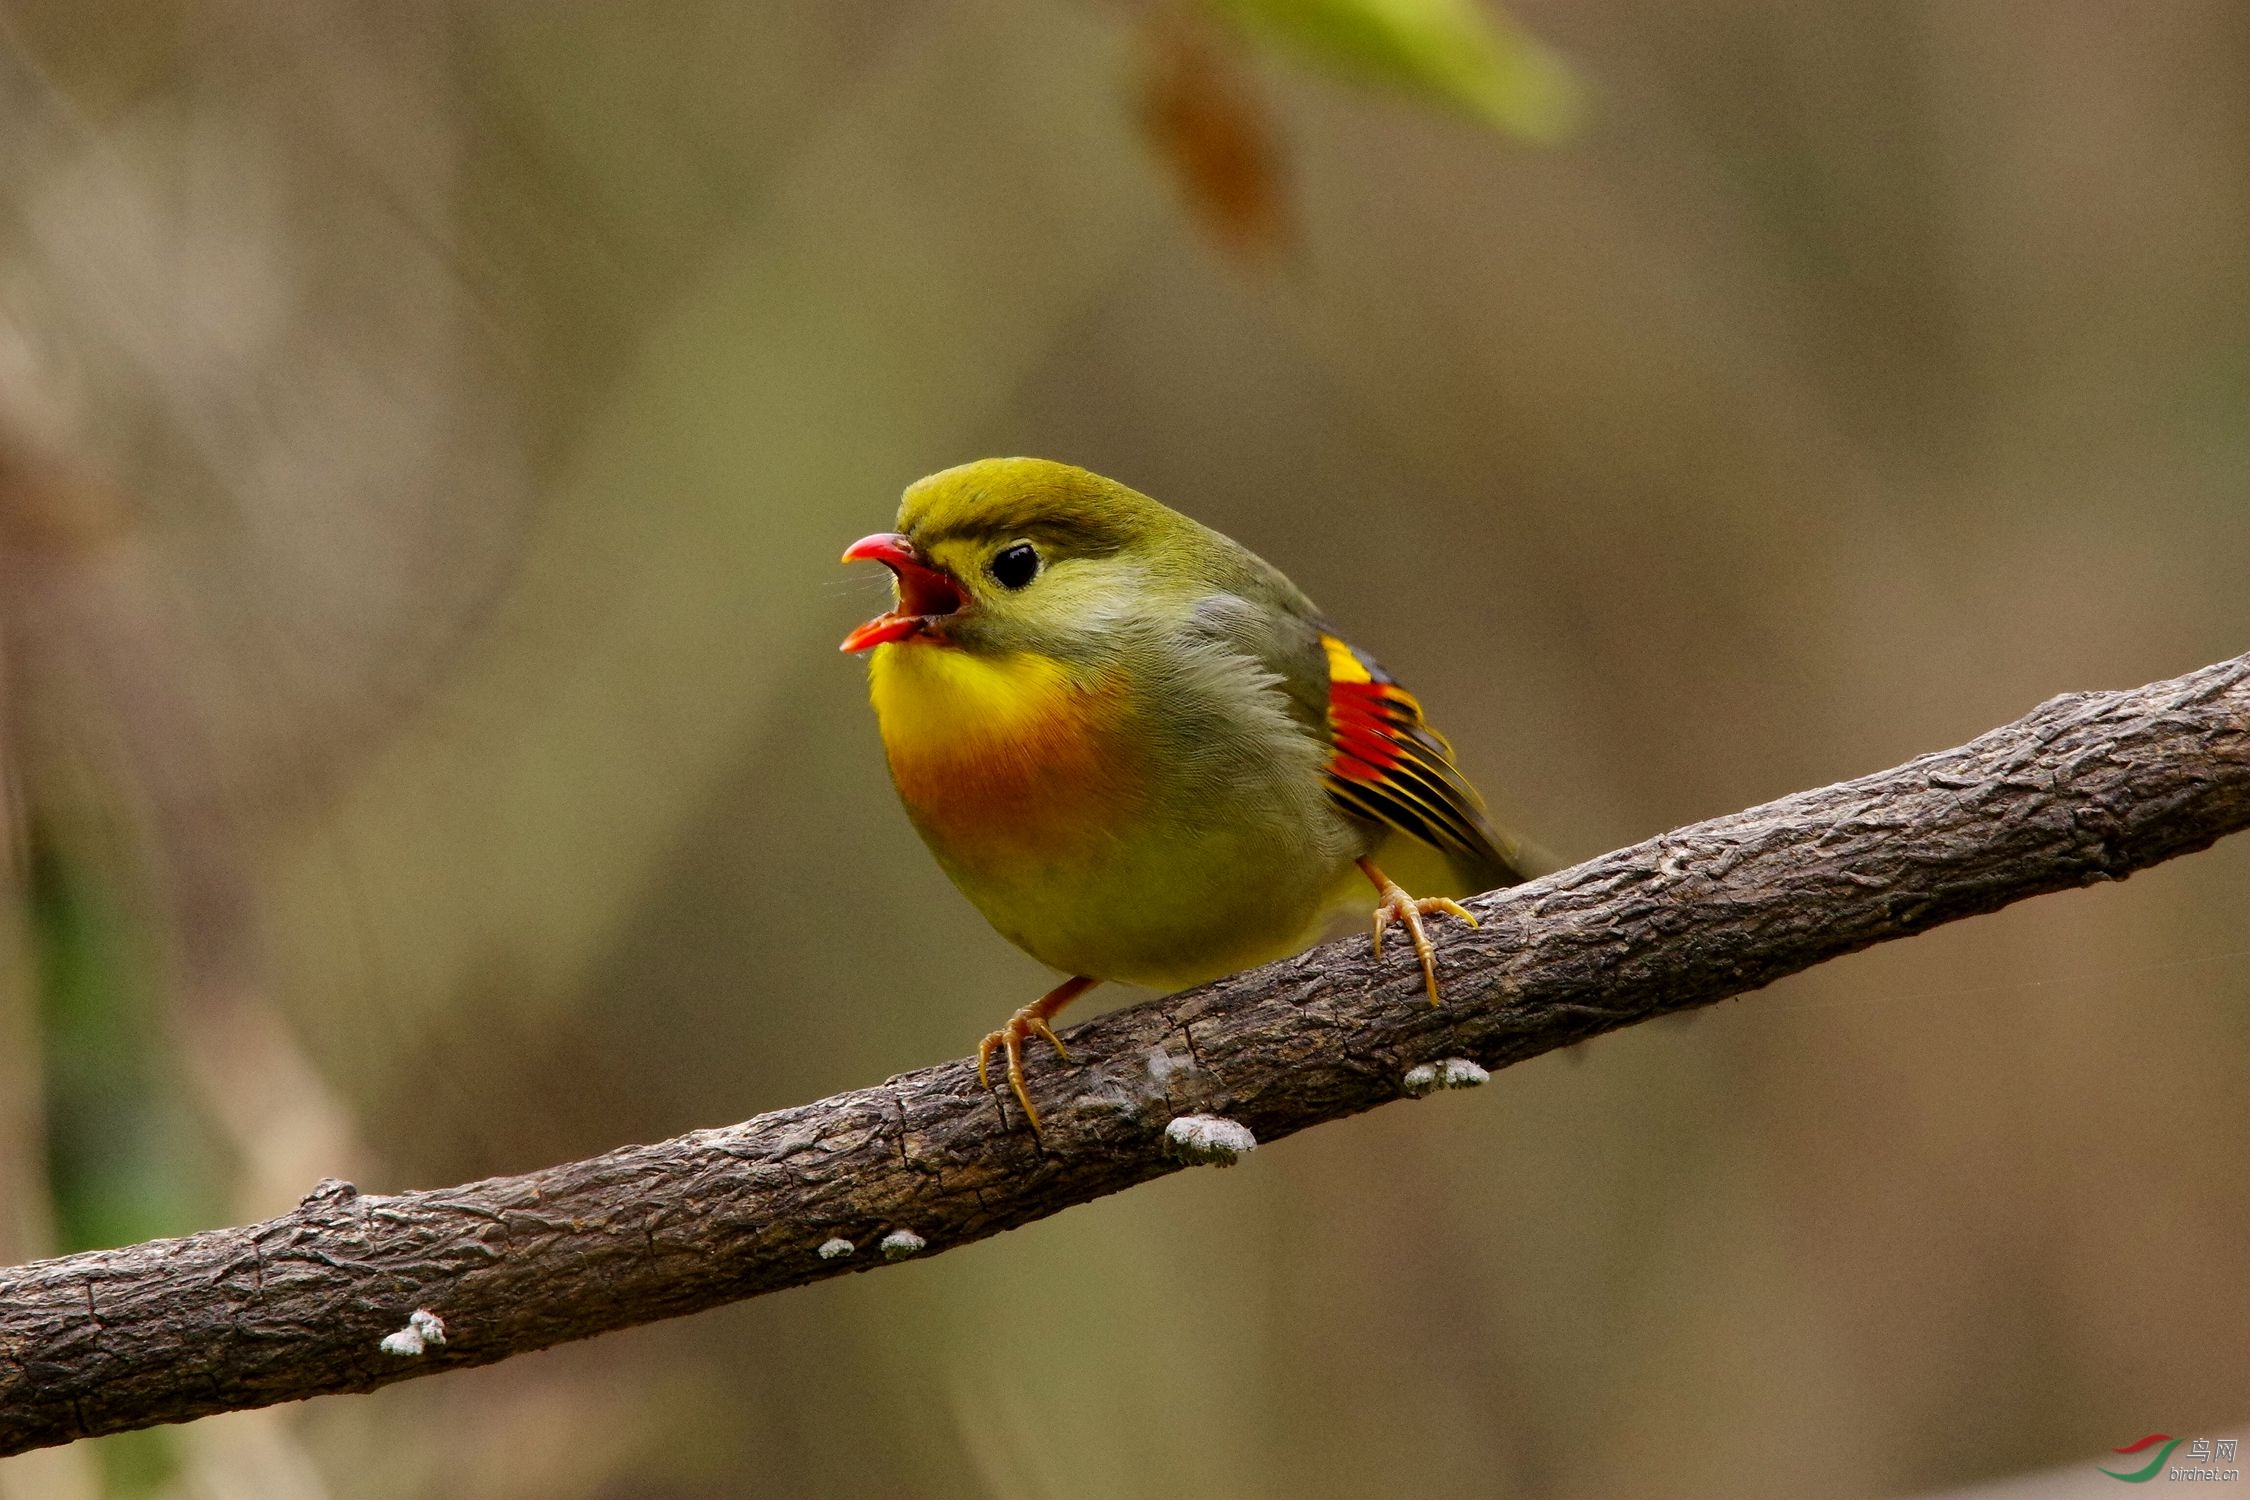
(1387, 764)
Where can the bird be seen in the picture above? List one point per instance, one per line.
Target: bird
(1141, 752)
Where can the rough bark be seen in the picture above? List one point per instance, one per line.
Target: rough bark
(2087, 787)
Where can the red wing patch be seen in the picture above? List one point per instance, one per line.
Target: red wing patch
(1388, 765)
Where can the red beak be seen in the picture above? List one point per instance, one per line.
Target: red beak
(926, 594)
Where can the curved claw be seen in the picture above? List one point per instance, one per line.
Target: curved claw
(1032, 1020)
(1394, 905)
(1038, 1026)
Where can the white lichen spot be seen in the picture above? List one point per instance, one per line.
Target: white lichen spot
(1208, 1140)
(1460, 1073)
(900, 1243)
(1447, 1073)
(836, 1249)
(1164, 1067)
(422, 1329)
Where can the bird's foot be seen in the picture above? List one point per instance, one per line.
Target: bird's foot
(1394, 905)
(1032, 1020)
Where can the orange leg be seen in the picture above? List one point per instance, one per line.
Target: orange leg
(1030, 1021)
(1393, 904)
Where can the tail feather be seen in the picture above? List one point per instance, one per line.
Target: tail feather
(1501, 861)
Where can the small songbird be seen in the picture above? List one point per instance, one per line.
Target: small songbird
(1139, 750)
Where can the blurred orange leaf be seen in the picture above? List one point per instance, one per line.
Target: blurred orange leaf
(1205, 120)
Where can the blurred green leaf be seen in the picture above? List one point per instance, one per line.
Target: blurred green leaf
(1454, 51)
(126, 1159)
(139, 1464)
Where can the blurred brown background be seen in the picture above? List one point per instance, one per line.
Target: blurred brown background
(426, 436)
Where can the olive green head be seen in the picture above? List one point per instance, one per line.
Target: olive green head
(1009, 555)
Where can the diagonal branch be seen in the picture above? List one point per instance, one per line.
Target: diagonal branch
(2087, 787)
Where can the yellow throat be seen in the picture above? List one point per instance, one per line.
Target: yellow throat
(999, 757)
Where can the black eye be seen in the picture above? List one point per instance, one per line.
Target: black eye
(1015, 566)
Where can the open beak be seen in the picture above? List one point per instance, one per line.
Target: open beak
(926, 594)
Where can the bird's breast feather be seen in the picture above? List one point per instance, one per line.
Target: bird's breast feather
(1000, 757)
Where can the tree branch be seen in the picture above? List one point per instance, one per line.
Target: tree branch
(2087, 787)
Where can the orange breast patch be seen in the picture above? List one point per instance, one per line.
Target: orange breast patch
(1003, 762)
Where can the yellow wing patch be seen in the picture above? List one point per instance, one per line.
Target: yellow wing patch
(1386, 763)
